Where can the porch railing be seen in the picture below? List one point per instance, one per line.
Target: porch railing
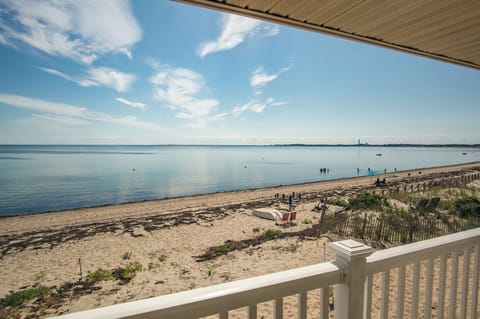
(427, 277)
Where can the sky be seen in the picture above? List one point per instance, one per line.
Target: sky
(161, 72)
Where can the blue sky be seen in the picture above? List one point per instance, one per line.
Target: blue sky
(160, 72)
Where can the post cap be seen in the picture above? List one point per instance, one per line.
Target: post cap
(351, 248)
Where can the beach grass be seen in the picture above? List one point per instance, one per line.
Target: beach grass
(19, 297)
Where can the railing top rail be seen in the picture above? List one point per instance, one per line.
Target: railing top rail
(223, 297)
(402, 255)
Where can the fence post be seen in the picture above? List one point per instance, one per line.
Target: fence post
(350, 295)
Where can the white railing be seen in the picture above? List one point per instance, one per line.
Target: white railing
(355, 272)
(439, 259)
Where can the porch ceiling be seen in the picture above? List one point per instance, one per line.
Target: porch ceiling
(445, 30)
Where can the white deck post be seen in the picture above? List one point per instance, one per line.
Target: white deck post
(349, 295)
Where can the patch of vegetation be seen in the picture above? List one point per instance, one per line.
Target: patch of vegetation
(403, 197)
(337, 202)
(99, 275)
(152, 265)
(129, 271)
(467, 207)
(19, 297)
(127, 255)
(307, 221)
(367, 201)
(269, 233)
(256, 229)
(223, 249)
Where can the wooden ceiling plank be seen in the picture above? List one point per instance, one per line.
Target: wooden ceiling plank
(331, 9)
(286, 7)
(238, 3)
(262, 5)
(446, 19)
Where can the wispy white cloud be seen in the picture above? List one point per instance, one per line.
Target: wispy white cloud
(255, 106)
(78, 30)
(203, 122)
(234, 31)
(65, 120)
(269, 29)
(112, 78)
(42, 106)
(70, 114)
(260, 78)
(80, 81)
(105, 76)
(3, 40)
(131, 121)
(137, 105)
(180, 88)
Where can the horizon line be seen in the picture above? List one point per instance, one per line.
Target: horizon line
(273, 145)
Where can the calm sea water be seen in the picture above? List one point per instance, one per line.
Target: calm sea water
(47, 178)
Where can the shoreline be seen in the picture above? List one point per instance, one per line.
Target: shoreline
(168, 237)
(274, 187)
(118, 212)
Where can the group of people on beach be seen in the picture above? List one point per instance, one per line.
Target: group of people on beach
(380, 183)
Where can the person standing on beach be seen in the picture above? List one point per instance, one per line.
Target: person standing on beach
(290, 202)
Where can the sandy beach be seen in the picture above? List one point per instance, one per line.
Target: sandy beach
(167, 237)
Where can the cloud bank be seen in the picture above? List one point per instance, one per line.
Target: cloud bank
(79, 30)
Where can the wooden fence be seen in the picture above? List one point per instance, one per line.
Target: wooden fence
(396, 229)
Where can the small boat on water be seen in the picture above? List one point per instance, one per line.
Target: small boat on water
(464, 153)
(379, 154)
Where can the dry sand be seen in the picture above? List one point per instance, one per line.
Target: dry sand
(168, 234)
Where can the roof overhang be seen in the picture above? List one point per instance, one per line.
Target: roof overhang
(444, 30)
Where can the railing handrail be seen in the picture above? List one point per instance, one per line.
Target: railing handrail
(351, 273)
(406, 254)
(223, 297)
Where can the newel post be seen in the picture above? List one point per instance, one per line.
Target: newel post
(349, 295)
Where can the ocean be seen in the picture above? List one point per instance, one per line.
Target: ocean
(44, 178)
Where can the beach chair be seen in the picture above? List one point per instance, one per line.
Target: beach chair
(422, 203)
(293, 216)
(318, 206)
(285, 219)
(433, 203)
